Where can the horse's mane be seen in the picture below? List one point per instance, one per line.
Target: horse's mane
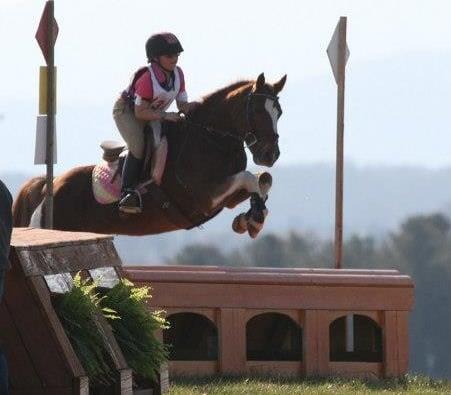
(213, 99)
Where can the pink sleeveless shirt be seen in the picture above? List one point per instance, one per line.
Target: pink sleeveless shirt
(149, 87)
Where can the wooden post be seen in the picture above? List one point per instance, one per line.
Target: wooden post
(232, 330)
(311, 343)
(338, 55)
(340, 143)
(46, 38)
(50, 118)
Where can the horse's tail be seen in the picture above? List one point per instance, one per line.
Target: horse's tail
(28, 199)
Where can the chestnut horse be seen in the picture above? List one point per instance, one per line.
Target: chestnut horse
(205, 171)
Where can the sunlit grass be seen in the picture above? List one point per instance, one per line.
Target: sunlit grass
(284, 386)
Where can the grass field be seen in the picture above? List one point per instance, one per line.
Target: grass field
(285, 386)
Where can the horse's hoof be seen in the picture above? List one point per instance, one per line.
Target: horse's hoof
(258, 217)
(239, 224)
(254, 228)
(253, 232)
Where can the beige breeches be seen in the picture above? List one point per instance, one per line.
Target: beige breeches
(130, 128)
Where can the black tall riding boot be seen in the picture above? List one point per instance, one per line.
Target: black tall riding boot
(130, 198)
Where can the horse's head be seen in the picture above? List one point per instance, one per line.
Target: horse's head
(262, 112)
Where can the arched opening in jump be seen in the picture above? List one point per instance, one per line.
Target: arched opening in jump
(192, 337)
(273, 337)
(364, 343)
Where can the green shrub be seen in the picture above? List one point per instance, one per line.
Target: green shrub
(135, 330)
(76, 310)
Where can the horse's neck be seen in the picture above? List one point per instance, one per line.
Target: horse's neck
(219, 118)
(227, 114)
(208, 145)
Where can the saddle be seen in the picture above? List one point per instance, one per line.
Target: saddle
(107, 179)
(107, 175)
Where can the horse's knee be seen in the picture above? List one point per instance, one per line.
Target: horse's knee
(264, 183)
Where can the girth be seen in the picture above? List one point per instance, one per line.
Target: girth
(176, 215)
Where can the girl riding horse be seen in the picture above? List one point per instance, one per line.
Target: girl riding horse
(152, 90)
(205, 171)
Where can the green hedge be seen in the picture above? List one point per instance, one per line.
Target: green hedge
(135, 330)
(76, 310)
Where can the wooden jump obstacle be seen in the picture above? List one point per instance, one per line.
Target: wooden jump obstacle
(283, 321)
(224, 320)
(40, 356)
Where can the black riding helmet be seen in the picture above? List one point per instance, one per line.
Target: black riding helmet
(162, 44)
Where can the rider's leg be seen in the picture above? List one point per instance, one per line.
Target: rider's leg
(130, 201)
(131, 130)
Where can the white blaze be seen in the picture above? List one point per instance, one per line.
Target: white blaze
(273, 113)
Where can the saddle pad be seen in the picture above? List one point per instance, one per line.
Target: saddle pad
(105, 189)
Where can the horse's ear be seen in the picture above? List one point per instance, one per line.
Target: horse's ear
(260, 83)
(278, 86)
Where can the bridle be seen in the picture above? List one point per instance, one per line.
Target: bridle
(248, 138)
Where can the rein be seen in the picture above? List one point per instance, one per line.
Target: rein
(249, 137)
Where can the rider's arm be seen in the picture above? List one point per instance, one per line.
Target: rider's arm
(183, 104)
(144, 112)
(143, 100)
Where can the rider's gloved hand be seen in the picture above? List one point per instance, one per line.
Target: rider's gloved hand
(171, 116)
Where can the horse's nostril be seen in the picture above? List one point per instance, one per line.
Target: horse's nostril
(268, 156)
(272, 155)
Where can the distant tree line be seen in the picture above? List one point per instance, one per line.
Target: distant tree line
(421, 248)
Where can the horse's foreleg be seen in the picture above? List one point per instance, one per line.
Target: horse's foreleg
(240, 186)
(237, 189)
(264, 184)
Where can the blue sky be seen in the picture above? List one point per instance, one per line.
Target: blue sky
(398, 83)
